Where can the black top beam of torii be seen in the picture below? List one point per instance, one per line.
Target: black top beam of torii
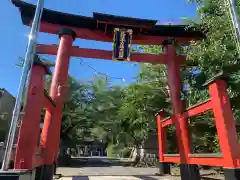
(106, 23)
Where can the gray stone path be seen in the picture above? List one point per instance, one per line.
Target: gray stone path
(105, 169)
(111, 173)
(112, 178)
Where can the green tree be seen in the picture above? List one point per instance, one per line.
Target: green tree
(104, 105)
(218, 51)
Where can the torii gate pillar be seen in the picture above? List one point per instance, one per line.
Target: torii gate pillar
(50, 137)
(188, 171)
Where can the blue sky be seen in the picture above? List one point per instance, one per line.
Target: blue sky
(14, 35)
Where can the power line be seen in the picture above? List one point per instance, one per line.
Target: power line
(104, 74)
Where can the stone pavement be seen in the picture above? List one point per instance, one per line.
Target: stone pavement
(111, 173)
(95, 168)
(112, 178)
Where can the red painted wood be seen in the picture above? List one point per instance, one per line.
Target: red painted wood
(30, 126)
(225, 123)
(198, 109)
(38, 159)
(107, 55)
(88, 34)
(208, 161)
(167, 122)
(174, 83)
(52, 122)
(48, 104)
(191, 112)
(172, 159)
(162, 137)
(238, 162)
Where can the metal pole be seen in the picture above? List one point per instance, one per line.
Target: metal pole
(232, 10)
(234, 15)
(27, 67)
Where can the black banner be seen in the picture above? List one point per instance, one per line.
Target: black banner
(122, 41)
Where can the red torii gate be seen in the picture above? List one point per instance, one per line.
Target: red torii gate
(100, 28)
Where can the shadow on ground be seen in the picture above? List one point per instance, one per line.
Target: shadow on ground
(91, 162)
(140, 177)
(145, 177)
(208, 178)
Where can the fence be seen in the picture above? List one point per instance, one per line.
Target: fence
(219, 104)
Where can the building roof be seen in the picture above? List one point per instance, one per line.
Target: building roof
(98, 22)
(3, 91)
